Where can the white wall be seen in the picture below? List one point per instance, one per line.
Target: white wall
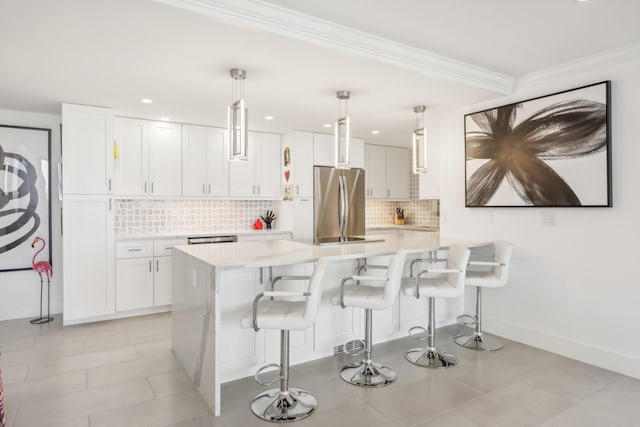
(20, 290)
(574, 287)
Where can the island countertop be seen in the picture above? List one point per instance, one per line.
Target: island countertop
(258, 254)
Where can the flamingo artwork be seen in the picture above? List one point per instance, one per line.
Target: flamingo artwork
(42, 267)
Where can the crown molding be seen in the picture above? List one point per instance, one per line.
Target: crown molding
(286, 22)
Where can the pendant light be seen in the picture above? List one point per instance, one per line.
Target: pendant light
(419, 141)
(342, 131)
(237, 117)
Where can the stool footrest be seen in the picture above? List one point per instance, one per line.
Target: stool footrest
(467, 320)
(269, 367)
(414, 331)
(354, 347)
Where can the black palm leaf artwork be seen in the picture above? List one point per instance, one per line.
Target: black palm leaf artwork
(517, 148)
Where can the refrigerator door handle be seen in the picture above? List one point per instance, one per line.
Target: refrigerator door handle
(346, 206)
(342, 217)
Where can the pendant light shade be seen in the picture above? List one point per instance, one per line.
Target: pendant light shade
(419, 141)
(342, 131)
(237, 130)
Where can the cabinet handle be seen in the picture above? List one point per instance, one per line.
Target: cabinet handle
(145, 186)
(297, 189)
(109, 184)
(258, 189)
(388, 192)
(203, 189)
(109, 204)
(149, 266)
(209, 188)
(151, 186)
(254, 189)
(134, 249)
(157, 266)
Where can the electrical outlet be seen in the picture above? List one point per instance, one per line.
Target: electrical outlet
(548, 219)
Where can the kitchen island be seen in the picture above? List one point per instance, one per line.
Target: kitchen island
(214, 286)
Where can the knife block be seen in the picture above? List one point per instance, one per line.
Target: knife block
(396, 220)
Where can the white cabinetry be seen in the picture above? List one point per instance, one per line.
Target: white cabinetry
(143, 273)
(149, 161)
(205, 162)
(87, 149)
(387, 172)
(324, 151)
(88, 262)
(259, 176)
(301, 146)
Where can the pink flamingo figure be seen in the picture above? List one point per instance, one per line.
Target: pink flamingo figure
(42, 267)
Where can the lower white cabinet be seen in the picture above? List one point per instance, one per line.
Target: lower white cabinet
(87, 246)
(143, 273)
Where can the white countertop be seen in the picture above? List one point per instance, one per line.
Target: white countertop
(256, 254)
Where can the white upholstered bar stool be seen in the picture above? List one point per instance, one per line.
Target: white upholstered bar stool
(297, 312)
(493, 278)
(431, 283)
(371, 292)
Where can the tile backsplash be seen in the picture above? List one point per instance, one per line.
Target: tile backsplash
(416, 212)
(186, 216)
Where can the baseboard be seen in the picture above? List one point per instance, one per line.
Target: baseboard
(626, 364)
(118, 315)
(28, 311)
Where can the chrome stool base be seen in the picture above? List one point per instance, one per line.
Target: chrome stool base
(479, 342)
(367, 374)
(281, 407)
(430, 358)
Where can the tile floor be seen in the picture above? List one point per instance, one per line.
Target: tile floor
(122, 373)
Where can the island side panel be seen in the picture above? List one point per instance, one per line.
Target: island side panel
(193, 321)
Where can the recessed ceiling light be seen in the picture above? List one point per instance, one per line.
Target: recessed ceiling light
(146, 101)
(165, 119)
(580, 1)
(375, 132)
(326, 125)
(268, 117)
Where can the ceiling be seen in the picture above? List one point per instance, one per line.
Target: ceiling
(113, 53)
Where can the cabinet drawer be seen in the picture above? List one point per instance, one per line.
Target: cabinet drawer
(163, 247)
(134, 249)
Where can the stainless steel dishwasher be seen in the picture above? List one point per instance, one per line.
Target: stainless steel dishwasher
(201, 240)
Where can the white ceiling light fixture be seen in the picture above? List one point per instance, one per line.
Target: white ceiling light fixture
(237, 117)
(375, 132)
(268, 118)
(146, 101)
(326, 125)
(419, 141)
(342, 131)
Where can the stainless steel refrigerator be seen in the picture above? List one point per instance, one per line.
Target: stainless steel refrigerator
(338, 205)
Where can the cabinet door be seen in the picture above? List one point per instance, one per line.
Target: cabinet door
(375, 172)
(131, 168)
(162, 281)
(217, 155)
(134, 283)
(302, 164)
(88, 257)
(87, 149)
(356, 153)
(165, 159)
(268, 166)
(323, 150)
(194, 160)
(398, 170)
(242, 173)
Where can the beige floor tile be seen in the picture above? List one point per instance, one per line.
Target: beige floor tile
(604, 408)
(450, 419)
(64, 348)
(170, 383)
(14, 374)
(154, 413)
(80, 361)
(627, 385)
(68, 407)
(76, 422)
(15, 344)
(154, 349)
(47, 387)
(130, 370)
(206, 421)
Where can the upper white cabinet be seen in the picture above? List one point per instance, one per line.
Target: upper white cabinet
(87, 149)
(324, 151)
(165, 153)
(88, 257)
(301, 147)
(149, 161)
(387, 172)
(259, 176)
(205, 162)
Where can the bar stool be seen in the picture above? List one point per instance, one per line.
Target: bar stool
(448, 283)
(494, 278)
(297, 312)
(379, 293)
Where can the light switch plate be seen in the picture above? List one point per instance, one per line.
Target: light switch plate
(548, 219)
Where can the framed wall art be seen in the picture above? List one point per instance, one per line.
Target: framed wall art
(550, 151)
(25, 195)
